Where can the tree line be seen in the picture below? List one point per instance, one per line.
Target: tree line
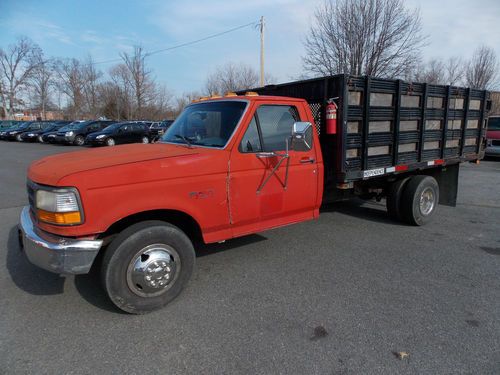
(375, 37)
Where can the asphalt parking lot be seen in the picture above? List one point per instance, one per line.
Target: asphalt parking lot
(340, 295)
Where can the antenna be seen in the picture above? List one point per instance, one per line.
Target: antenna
(262, 51)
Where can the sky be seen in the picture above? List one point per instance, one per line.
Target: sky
(106, 28)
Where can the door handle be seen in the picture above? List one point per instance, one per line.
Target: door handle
(307, 160)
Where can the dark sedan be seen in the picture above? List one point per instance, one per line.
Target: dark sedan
(75, 133)
(123, 132)
(10, 134)
(36, 135)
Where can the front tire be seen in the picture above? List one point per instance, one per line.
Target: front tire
(79, 140)
(145, 140)
(18, 138)
(419, 200)
(110, 142)
(146, 266)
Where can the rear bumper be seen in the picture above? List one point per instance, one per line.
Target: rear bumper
(54, 253)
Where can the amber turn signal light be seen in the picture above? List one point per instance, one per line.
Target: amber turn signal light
(60, 218)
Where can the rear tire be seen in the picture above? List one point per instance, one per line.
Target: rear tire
(393, 200)
(419, 200)
(146, 266)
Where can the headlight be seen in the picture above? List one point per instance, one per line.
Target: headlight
(31, 135)
(59, 206)
(100, 136)
(69, 134)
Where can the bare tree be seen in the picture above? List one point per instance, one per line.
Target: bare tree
(41, 83)
(454, 71)
(91, 77)
(482, 70)
(17, 64)
(182, 101)
(375, 37)
(141, 79)
(70, 81)
(121, 78)
(231, 77)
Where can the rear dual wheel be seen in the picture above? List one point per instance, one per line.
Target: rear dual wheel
(413, 200)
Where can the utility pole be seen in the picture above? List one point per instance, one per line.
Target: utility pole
(262, 51)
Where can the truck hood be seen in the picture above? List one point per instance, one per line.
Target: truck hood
(50, 170)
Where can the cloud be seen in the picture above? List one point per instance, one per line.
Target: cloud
(38, 29)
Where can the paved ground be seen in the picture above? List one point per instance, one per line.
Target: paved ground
(335, 296)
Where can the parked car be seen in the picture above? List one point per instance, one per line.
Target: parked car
(35, 135)
(10, 134)
(493, 137)
(157, 129)
(75, 133)
(122, 132)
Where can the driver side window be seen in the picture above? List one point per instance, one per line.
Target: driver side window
(269, 129)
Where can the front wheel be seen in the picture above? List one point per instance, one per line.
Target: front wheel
(146, 266)
(419, 200)
(145, 139)
(18, 138)
(110, 142)
(79, 140)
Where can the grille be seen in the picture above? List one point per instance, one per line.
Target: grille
(31, 195)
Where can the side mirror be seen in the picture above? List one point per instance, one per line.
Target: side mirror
(302, 136)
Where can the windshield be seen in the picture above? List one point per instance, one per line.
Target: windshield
(71, 126)
(206, 124)
(113, 127)
(494, 123)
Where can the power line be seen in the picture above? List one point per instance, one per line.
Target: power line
(147, 54)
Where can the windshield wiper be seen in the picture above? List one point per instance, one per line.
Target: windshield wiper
(185, 139)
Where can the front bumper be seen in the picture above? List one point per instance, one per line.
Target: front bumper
(54, 253)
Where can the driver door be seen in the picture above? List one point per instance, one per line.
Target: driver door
(266, 188)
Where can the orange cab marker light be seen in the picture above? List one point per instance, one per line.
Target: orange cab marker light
(251, 93)
(59, 217)
(203, 98)
(230, 93)
(215, 96)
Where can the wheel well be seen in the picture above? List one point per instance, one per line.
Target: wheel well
(178, 218)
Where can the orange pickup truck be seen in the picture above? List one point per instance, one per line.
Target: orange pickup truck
(240, 164)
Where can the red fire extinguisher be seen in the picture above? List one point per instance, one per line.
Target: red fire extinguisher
(331, 117)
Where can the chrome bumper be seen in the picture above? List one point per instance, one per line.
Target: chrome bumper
(54, 253)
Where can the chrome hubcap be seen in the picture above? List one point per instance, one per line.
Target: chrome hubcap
(145, 140)
(427, 201)
(153, 270)
(110, 142)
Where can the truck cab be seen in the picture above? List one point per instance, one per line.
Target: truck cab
(226, 167)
